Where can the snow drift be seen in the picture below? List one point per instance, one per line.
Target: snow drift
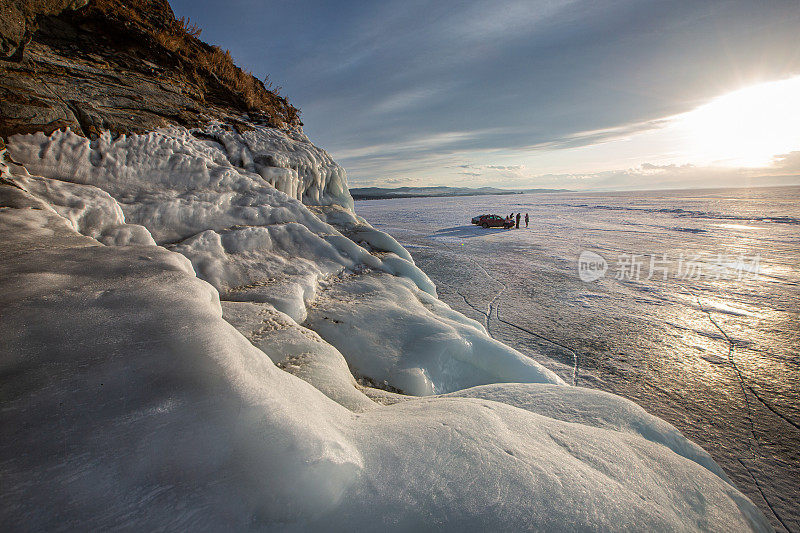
(134, 397)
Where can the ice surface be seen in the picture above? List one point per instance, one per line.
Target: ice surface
(89, 210)
(134, 398)
(283, 263)
(204, 192)
(178, 183)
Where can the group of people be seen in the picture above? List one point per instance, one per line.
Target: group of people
(510, 219)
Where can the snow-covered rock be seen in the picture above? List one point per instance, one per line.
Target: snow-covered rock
(133, 398)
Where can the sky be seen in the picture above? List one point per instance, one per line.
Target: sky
(575, 94)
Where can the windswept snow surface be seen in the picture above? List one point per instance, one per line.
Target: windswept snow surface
(134, 397)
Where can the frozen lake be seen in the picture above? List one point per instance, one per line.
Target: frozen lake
(696, 316)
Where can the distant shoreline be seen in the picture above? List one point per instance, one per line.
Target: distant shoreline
(380, 193)
(398, 197)
(390, 195)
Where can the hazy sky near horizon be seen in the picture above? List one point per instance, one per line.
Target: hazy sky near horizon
(575, 94)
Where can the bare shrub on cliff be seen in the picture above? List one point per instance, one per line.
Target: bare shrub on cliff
(188, 27)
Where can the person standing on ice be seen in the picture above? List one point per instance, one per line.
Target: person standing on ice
(518, 214)
(526, 220)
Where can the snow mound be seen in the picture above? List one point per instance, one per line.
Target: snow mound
(130, 403)
(89, 210)
(411, 340)
(593, 408)
(299, 351)
(282, 264)
(288, 161)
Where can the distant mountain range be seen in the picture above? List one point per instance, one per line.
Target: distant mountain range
(381, 193)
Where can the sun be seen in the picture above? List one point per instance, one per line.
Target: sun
(745, 128)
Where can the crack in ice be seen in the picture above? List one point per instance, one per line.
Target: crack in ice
(763, 496)
(575, 357)
(732, 344)
(496, 308)
(752, 439)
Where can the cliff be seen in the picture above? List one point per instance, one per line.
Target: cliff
(199, 333)
(123, 67)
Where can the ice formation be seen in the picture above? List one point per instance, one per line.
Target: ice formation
(138, 395)
(199, 194)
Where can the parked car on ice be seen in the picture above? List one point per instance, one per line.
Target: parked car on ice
(492, 221)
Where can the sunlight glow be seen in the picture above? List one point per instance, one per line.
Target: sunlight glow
(747, 127)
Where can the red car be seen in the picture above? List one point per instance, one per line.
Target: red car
(492, 221)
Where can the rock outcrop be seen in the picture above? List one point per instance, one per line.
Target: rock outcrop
(123, 67)
(18, 21)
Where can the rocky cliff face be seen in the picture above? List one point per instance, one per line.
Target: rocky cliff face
(123, 67)
(18, 21)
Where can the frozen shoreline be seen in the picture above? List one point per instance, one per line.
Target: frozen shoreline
(132, 402)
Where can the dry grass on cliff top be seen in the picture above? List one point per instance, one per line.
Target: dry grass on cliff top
(181, 37)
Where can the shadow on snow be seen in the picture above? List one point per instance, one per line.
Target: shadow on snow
(466, 232)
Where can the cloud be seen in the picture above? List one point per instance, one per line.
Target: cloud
(490, 171)
(491, 167)
(656, 176)
(664, 168)
(384, 182)
(396, 156)
(788, 162)
(401, 180)
(600, 136)
(414, 147)
(408, 100)
(505, 167)
(641, 177)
